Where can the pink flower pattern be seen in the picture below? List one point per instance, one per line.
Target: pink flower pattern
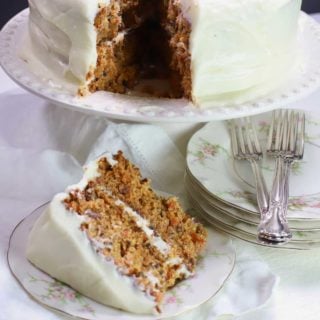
(171, 300)
(61, 293)
(206, 150)
(301, 203)
(295, 203)
(263, 127)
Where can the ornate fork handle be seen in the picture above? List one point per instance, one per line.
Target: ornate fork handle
(274, 224)
(262, 191)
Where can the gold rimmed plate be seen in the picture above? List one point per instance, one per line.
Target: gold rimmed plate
(215, 267)
(211, 167)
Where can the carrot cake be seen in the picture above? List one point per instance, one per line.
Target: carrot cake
(112, 238)
(209, 51)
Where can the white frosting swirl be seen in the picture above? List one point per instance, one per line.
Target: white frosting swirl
(240, 48)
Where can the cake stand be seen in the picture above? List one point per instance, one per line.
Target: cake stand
(304, 80)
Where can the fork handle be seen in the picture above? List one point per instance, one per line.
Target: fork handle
(262, 191)
(274, 225)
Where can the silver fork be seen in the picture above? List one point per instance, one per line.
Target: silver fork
(246, 146)
(286, 144)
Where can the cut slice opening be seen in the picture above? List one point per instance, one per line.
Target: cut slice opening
(143, 48)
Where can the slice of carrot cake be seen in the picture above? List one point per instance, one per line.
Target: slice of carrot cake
(112, 238)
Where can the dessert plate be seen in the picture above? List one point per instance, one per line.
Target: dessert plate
(298, 235)
(215, 267)
(247, 236)
(36, 79)
(209, 161)
(240, 213)
(244, 215)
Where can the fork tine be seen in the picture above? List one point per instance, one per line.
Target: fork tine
(285, 130)
(292, 132)
(248, 137)
(271, 132)
(255, 140)
(241, 142)
(279, 131)
(234, 142)
(300, 135)
(303, 133)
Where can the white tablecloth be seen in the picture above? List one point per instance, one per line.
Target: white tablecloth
(296, 297)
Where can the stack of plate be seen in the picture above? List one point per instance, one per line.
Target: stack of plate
(222, 189)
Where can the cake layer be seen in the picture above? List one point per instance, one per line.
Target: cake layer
(165, 215)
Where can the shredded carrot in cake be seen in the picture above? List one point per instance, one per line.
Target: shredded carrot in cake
(148, 237)
(138, 40)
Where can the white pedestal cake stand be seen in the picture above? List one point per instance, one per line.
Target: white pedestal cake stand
(40, 81)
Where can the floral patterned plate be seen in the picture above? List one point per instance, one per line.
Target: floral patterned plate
(211, 164)
(215, 267)
(240, 214)
(298, 235)
(234, 230)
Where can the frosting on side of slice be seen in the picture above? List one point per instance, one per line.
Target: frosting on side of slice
(58, 246)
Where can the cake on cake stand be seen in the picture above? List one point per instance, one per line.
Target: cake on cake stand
(304, 79)
(178, 118)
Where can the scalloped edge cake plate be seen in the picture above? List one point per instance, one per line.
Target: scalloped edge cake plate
(304, 80)
(209, 159)
(214, 269)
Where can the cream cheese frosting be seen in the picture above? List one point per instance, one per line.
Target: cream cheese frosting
(240, 48)
(63, 34)
(58, 246)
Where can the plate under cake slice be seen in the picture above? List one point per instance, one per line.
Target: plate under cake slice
(112, 238)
